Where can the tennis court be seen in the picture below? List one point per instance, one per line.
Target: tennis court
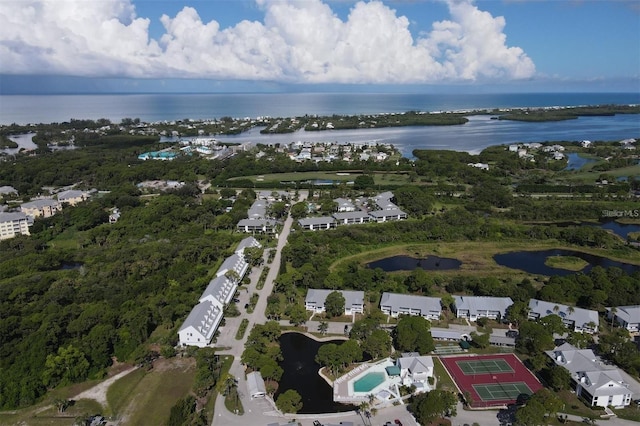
(490, 381)
(484, 366)
(501, 391)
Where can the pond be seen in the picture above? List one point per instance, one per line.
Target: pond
(533, 262)
(575, 161)
(408, 263)
(620, 229)
(301, 375)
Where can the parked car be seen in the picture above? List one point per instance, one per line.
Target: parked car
(235, 300)
(317, 423)
(398, 422)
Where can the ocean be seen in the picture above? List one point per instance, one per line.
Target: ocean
(479, 133)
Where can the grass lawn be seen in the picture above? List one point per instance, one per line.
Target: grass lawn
(170, 380)
(588, 176)
(380, 178)
(477, 257)
(444, 380)
(570, 263)
(119, 393)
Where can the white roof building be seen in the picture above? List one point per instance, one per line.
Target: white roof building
(255, 385)
(353, 300)
(627, 316)
(415, 369)
(596, 383)
(201, 324)
(395, 304)
(474, 307)
(576, 319)
(235, 263)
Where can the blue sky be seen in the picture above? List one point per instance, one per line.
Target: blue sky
(314, 45)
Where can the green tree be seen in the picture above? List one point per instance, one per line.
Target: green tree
(363, 182)
(297, 314)
(559, 378)
(534, 338)
(68, 366)
(480, 340)
(289, 402)
(426, 407)
(299, 210)
(323, 327)
(377, 344)
(531, 414)
(334, 304)
(412, 334)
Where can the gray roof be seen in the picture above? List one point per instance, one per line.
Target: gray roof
(344, 203)
(11, 216)
(248, 243)
(258, 210)
(255, 383)
(318, 296)
(446, 334)
(8, 190)
(350, 215)
(220, 288)
(233, 262)
(256, 223)
(477, 304)
(422, 303)
(629, 314)
(582, 363)
(204, 317)
(71, 193)
(416, 364)
(502, 340)
(579, 316)
(322, 220)
(38, 204)
(387, 213)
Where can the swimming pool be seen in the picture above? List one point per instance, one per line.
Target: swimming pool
(369, 381)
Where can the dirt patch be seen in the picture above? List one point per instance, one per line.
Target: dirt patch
(178, 363)
(99, 392)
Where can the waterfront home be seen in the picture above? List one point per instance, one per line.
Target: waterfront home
(415, 370)
(575, 319)
(474, 307)
(626, 316)
(395, 304)
(13, 224)
(596, 383)
(353, 300)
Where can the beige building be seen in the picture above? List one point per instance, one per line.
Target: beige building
(12, 224)
(41, 208)
(72, 197)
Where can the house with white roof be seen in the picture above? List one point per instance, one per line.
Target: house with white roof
(248, 242)
(395, 304)
(594, 382)
(344, 205)
(387, 215)
(201, 324)
(13, 224)
(255, 385)
(235, 263)
(8, 190)
(474, 307)
(626, 316)
(353, 300)
(576, 319)
(265, 226)
(415, 370)
(45, 207)
(220, 291)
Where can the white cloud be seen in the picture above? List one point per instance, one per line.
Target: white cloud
(298, 41)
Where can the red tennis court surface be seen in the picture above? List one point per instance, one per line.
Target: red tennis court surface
(491, 380)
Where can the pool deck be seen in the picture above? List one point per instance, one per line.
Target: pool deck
(343, 385)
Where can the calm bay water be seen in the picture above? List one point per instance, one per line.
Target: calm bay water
(479, 133)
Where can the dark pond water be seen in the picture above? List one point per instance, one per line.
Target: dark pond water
(620, 229)
(533, 261)
(301, 375)
(70, 265)
(576, 162)
(408, 263)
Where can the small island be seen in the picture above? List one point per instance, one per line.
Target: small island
(570, 263)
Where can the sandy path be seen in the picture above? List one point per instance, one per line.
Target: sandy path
(99, 391)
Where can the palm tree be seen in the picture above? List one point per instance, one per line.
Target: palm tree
(613, 311)
(323, 327)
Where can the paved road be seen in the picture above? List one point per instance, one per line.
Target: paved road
(254, 409)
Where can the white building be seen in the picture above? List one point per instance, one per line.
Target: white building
(72, 197)
(596, 383)
(576, 319)
(201, 324)
(353, 300)
(255, 385)
(12, 224)
(627, 317)
(474, 307)
(394, 304)
(416, 370)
